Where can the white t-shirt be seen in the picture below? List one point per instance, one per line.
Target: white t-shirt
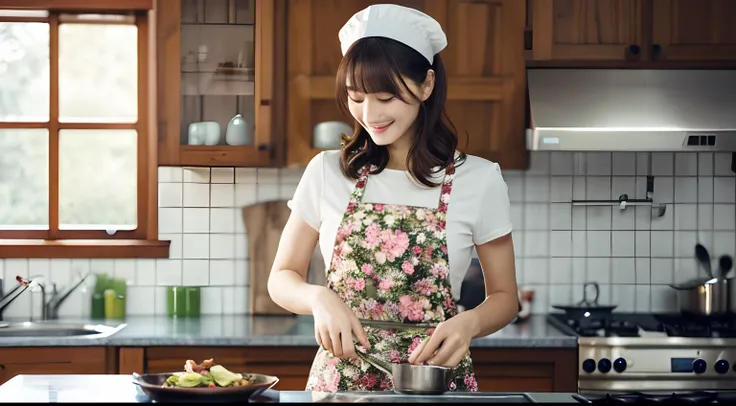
(478, 211)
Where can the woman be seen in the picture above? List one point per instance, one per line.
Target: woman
(397, 213)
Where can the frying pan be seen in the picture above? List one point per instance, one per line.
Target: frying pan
(587, 308)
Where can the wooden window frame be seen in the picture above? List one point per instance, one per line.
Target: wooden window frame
(54, 243)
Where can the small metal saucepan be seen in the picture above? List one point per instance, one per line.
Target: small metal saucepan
(707, 296)
(409, 378)
(703, 297)
(414, 379)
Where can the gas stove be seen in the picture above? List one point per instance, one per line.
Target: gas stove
(653, 354)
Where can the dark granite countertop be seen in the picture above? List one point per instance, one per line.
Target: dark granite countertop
(245, 330)
(120, 389)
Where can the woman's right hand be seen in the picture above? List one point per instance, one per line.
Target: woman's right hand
(335, 324)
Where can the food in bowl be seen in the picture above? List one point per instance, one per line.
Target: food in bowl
(208, 374)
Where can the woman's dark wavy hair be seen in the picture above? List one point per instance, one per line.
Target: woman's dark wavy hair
(377, 64)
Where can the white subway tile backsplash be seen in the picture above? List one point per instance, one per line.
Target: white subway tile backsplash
(632, 254)
(196, 175)
(722, 164)
(196, 195)
(222, 195)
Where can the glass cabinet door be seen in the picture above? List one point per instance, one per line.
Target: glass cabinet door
(217, 75)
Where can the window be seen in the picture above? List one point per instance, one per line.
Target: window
(77, 163)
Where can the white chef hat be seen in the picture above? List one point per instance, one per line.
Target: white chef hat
(404, 24)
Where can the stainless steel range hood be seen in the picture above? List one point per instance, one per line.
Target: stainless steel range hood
(632, 110)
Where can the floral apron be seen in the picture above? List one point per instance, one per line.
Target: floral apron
(390, 264)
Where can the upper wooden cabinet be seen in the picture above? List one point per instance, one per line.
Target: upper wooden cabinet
(216, 82)
(484, 61)
(633, 30)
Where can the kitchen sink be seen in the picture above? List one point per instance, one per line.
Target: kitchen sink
(51, 329)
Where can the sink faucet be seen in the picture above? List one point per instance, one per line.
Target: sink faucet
(50, 309)
(6, 300)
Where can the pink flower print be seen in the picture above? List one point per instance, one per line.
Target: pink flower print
(412, 310)
(378, 208)
(442, 208)
(414, 344)
(345, 231)
(428, 252)
(395, 356)
(384, 384)
(357, 284)
(445, 198)
(330, 379)
(438, 270)
(407, 267)
(449, 303)
(471, 383)
(446, 188)
(372, 235)
(453, 386)
(376, 310)
(367, 269)
(368, 381)
(385, 284)
(394, 245)
(444, 248)
(425, 287)
(351, 207)
(417, 250)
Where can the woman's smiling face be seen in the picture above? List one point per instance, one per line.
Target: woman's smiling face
(385, 116)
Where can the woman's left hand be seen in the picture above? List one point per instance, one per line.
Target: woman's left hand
(448, 344)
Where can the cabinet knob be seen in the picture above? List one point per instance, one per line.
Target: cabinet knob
(634, 49)
(264, 147)
(656, 51)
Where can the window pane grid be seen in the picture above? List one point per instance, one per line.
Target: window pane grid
(97, 121)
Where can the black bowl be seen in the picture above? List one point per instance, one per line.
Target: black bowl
(152, 386)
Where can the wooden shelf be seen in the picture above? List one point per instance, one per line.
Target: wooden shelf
(223, 155)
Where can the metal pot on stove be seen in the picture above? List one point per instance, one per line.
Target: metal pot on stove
(708, 296)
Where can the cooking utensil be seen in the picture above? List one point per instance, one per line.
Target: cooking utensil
(413, 379)
(703, 257)
(409, 378)
(707, 298)
(152, 386)
(587, 308)
(725, 262)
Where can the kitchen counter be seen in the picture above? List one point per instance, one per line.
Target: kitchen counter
(245, 330)
(120, 389)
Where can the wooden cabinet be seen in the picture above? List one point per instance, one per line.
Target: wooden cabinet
(484, 61)
(216, 82)
(694, 30)
(497, 369)
(633, 30)
(55, 360)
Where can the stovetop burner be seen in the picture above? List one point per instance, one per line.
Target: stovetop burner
(635, 324)
(697, 326)
(674, 398)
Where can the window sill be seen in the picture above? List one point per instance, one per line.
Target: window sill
(84, 248)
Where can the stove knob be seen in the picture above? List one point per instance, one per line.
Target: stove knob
(619, 365)
(699, 366)
(721, 366)
(589, 366)
(604, 365)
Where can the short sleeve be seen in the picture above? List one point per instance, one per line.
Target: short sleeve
(494, 216)
(307, 200)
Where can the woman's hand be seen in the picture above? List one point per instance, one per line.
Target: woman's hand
(448, 344)
(335, 324)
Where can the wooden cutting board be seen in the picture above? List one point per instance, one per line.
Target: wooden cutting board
(264, 223)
